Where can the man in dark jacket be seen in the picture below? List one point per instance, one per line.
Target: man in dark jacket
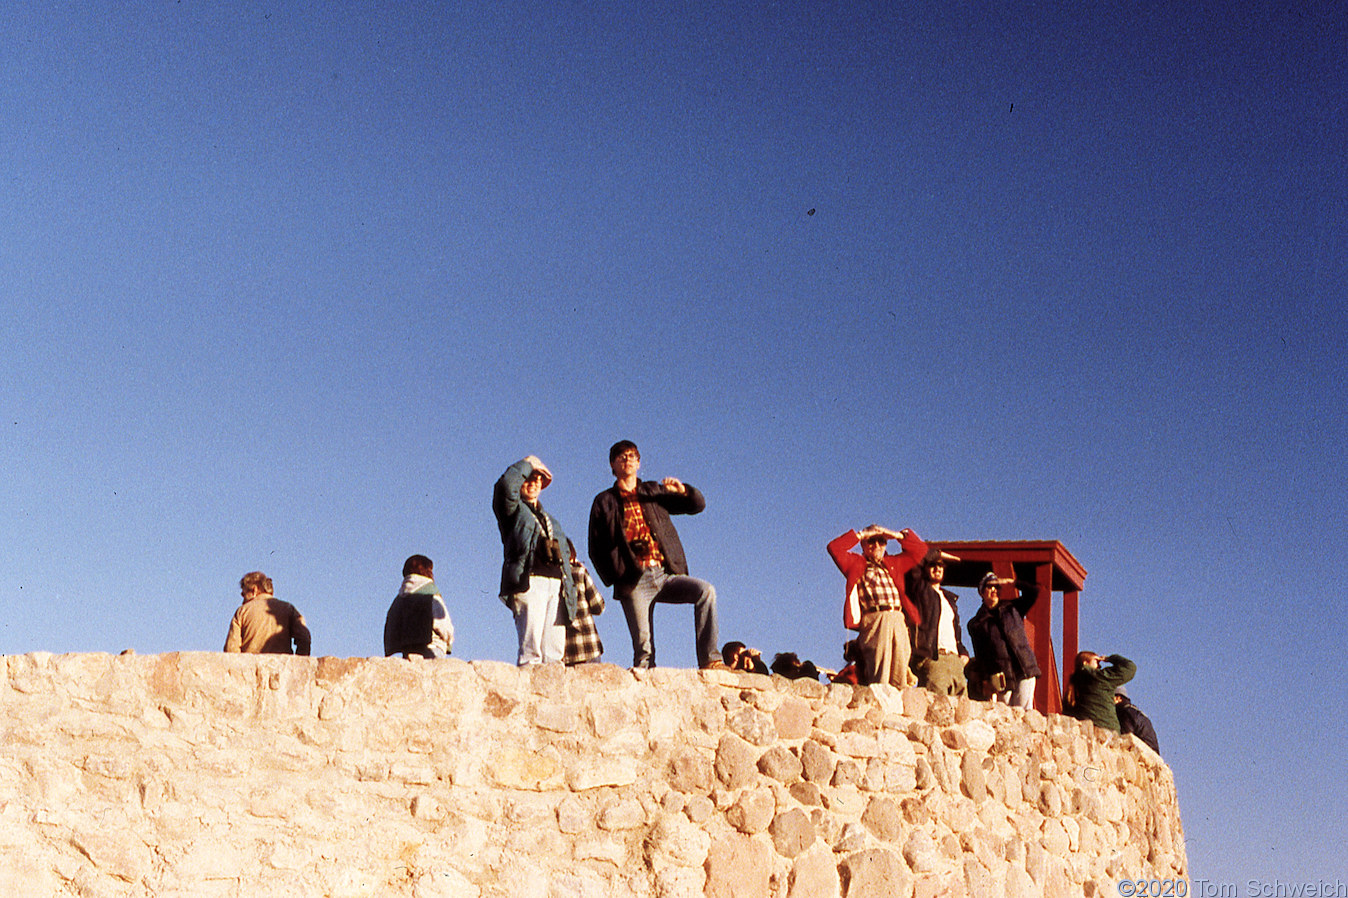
(636, 550)
(939, 654)
(1132, 720)
(1002, 654)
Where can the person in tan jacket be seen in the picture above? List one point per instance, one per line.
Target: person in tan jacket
(264, 624)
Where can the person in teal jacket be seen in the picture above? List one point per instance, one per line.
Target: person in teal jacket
(1090, 691)
(536, 582)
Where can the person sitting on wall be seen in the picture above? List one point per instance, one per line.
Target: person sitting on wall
(876, 604)
(1002, 655)
(1132, 720)
(738, 656)
(1090, 691)
(417, 624)
(939, 654)
(582, 638)
(264, 624)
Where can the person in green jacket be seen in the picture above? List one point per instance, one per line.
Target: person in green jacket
(1090, 691)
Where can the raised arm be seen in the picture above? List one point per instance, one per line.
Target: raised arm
(840, 550)
(672, 494)
(505, 499)
(1120, 671)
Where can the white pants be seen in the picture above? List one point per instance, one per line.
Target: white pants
(538, 621)
(1019, 696)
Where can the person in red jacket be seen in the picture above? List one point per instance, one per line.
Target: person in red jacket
(877, 606)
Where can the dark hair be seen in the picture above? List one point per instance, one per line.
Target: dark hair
(418, 564)
(619, 448)
(729, 650)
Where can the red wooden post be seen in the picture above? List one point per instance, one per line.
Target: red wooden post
(1070, 611)
(1047, 696)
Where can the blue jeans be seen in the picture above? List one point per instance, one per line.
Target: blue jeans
(656, 585)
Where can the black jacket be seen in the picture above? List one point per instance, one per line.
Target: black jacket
(998, 635)
(613, 559)
(1132, 720)
(928, 597)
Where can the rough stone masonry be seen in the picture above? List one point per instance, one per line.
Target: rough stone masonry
(203, 774)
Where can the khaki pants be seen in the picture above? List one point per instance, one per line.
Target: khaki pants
(943, 674)
(885, 649)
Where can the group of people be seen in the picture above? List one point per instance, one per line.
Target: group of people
(908, 633)
(907, 622)
(633, 545)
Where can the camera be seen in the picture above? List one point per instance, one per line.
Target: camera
(549, 552)
(641, 547)
(997, 681)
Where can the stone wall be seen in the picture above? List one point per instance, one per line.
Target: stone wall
(216, 775)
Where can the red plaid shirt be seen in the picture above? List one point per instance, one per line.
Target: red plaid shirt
(877, 591)
(634, 528)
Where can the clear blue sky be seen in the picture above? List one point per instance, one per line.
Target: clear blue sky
(287, 287)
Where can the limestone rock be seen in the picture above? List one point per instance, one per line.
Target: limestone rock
(171, 774)
(753, 726)
(793, 718)
(690, 771)
(885, 818)
(781, 764)
(816, 762)
(814, 875)
(753, 811)
(875, 873)
(792, 832)
(736, 762)
(739, 867)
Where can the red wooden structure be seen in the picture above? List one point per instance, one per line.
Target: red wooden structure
(1052, 567)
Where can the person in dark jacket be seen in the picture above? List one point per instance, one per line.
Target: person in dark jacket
(1090, 691)
(636, 550)
(417, 624)
(939, 654)
(789, 665)
(536, 581)
(1132, 720)
(1002, 654)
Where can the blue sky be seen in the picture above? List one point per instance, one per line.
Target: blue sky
(288, 287)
